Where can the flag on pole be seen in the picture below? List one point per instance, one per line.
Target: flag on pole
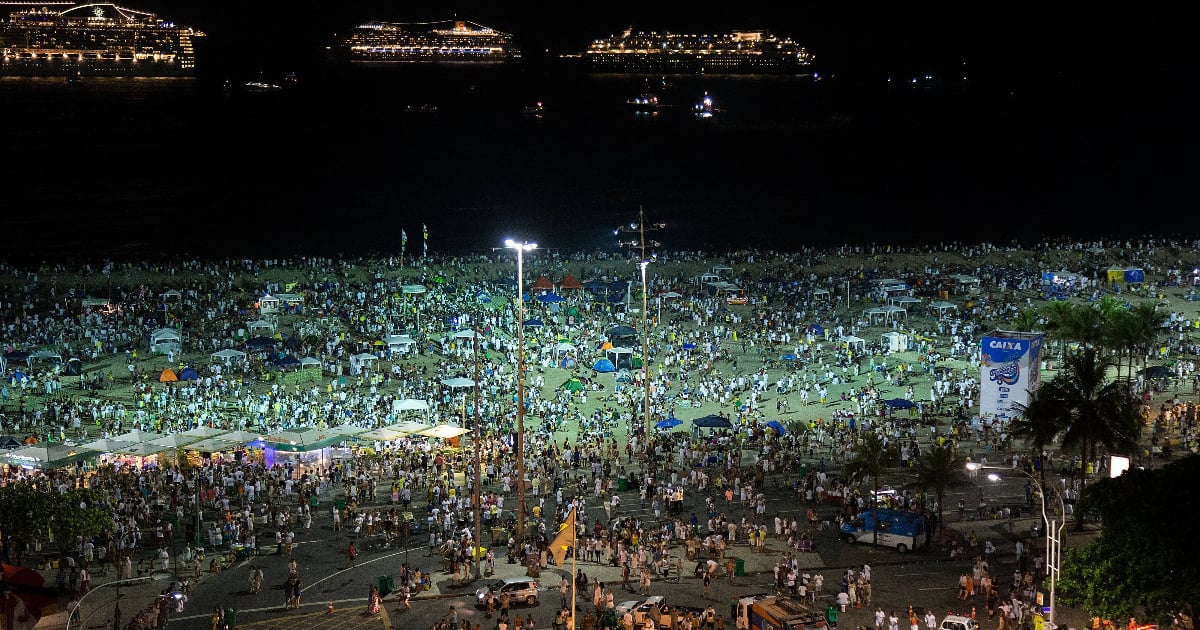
(564, 540)
(403, 241)
(424, 239)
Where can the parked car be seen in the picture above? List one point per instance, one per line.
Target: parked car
(521, 590)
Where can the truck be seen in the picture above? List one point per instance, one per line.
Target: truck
(900, 529)
(770, 612)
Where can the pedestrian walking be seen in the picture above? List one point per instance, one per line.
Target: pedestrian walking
(352, 552)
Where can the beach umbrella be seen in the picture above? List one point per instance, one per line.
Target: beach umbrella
(138, 435)
(204, 432)
(788, 357)
(408, 427)
(175, 440)
(143, 449)
(33, 598)
(668, 423)
(214, 445)
(775, 424)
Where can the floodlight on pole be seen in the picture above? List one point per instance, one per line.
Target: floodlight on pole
(641, 227)
(520, 247)
(1054, 529)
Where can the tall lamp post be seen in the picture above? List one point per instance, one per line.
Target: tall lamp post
(1054, 529)
(521, 248)
(641, 228)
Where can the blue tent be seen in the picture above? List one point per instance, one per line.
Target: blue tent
(550, 297)
(287, 362)
(260, 342)
(533, 323)
(713, 421)
(788, 357)
(483, 296)
(900, 403)
(775, 424)
(668, 423)
(621, 331)
(689, 346)
(604, 365)
(188, 374)
(568, 363)
(817, 329)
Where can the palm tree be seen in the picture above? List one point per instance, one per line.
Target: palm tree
(936, 470)
(868, 462)
(1135, 331)
(1087, 408)
(1038, 422)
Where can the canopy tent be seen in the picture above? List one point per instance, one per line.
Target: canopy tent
(894, 341)
(241, 437)
(412, 289)
(620, 357)
(138, 436)
(857, 344)
(466, 333)
(569, 282)
(174, 441)
(204, 432)
(384, 434)
(214, 445)
(542, 284)
(939, 307)
(408, 427)
(165, 334)
(549, 298)
(604, 366)
(261, 326)
(105, 445)
(564, 348)
(820, 294)
(348, 430)
(533, 323)
(884, 313)
(903, 301)
(713, 421)
(309, 439)
(308, 362)
(287, 362)
(268, 305)
(444, 431)
(228, 354)
(458, 383)
(51, 456)
(409, 404)
(142, 449)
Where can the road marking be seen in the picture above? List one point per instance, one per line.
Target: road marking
(910, 574)
(939, 588)
(272, 608)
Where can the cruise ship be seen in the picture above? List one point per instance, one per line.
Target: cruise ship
(740, 52)
(442, 41)
(75, 39)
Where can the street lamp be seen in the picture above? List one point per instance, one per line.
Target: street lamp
(521, 248)
(1054, 528)
(641, 228)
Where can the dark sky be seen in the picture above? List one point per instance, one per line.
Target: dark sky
(1021, 42)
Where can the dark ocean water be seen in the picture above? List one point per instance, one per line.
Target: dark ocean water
(346, 160)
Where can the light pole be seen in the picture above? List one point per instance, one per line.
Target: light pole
(521, 248)
(476, 496)
(641, 228)
(1054, 529)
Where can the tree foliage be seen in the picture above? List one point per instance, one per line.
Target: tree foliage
(30, 514)
(1144, 564)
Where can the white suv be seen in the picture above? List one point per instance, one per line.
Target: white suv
(520, 590)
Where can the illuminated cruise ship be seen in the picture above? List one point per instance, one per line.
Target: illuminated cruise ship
(741, 52)
(92, 39)
(444, 41)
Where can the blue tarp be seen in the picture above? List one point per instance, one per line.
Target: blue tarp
(668, 423)
(550, 297)
(533, 323)
(899, 403)
(604, 365)
(1135, 275)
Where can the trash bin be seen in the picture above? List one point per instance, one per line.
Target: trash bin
(739, 567)
(231, 617)
(341, 504)
(386, 585)
(622, 484)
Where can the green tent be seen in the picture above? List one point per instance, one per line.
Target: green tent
(572, 384)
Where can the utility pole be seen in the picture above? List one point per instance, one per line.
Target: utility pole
(476, 436)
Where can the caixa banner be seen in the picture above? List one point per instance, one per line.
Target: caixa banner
(1009, 370)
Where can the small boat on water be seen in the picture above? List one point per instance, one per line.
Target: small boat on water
(706, 108)
(259, 87)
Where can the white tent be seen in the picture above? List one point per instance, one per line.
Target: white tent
(362, 360)
(165, 340)
(443, 431)
(856, 343)
(894, 341)
(310, 362)
(260, 325)
(903, 301)
(409, 404)
(228, 354)
(268, 305)
(941, 307)
(563, 349)
(820, 294)
(458, 383)
(402, 344)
